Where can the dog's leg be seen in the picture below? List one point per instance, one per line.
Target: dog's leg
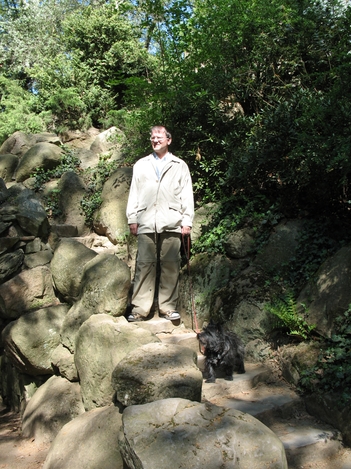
(211, 377)
(239, 365)
(229, 370)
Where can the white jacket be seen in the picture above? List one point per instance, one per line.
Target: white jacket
(164, 204)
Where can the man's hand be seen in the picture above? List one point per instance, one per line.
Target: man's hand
(133, 228)
(186, 230)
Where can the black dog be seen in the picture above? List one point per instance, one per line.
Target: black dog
(221, 349)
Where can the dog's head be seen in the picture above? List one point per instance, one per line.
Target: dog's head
(210, 338)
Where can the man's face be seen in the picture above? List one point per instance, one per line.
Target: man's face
(159, 141)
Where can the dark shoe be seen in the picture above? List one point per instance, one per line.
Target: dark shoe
(134, 317)
(171, 315)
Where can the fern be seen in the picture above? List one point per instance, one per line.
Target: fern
(285, 309)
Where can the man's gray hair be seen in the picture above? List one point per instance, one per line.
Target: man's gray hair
(161, 127)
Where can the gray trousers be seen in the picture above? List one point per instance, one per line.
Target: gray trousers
(158, 253)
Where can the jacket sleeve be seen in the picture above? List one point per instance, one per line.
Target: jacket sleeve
(187, 198)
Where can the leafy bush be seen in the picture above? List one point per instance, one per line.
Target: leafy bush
(17, 110)
(332, 373)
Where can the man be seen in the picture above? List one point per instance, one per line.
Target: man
(160, 210)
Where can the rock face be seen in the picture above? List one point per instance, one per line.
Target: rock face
(157, 371)
(179, 433)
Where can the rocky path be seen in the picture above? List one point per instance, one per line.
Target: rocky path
(260, 392)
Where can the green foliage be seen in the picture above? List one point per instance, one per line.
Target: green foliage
(234, 213)
(286, 310)
(89, 204)
(69, 162)
(17, 110)
(319, 239)
(332, 372)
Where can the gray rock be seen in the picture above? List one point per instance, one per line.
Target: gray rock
(8, 165)
(54, 404)
(71, 192)
(179, 433)
(111, 220)
(31, 215)
(111, 141)
(202, 218)
(102, 342)
(250, 321)
(47, 137)
(281, 246)
(29, 290)
(157, 371)
(328, 408)
(67, 267)
(88, 442)
(10, 263)
(328, 295)
(239, 243)
(33, 246)
(41, 155)
(30, 340)
(17, 144)
(62, 360)
(37, 259)
(105, 286)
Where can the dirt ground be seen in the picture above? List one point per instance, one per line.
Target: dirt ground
(17, 452)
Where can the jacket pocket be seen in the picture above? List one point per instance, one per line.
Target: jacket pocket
(175, 206)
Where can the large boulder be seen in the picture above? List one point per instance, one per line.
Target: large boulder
(109, 142)
(42, 155)
(328, 295)
(31, 215)
(18, 143)
(8, 165)
(88, 442)
(23, 206)
(111, 220)
(54, 404)
(72, 190)
(157, 371)
(178, 433)
(240, 243)
(29, 290)
(67, 267)
(102, 342)
(30, 340)
(281, 246)
(105, 285)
